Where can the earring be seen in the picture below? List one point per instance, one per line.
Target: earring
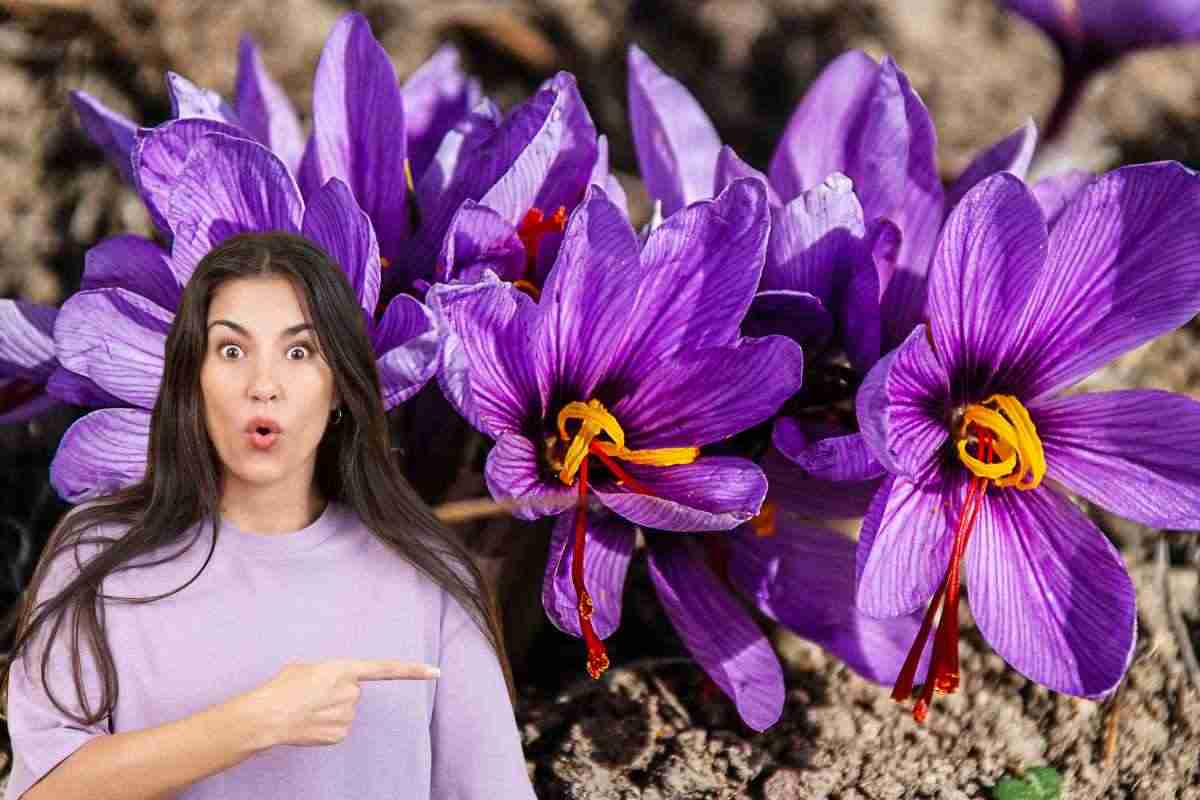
(337, 416)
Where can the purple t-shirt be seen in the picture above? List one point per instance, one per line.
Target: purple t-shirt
(329, 590)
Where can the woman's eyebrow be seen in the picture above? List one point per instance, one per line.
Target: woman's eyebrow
(286, 331)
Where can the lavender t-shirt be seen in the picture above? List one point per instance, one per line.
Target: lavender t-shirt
(329, 590)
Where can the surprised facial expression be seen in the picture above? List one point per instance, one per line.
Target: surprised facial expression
(268, 390)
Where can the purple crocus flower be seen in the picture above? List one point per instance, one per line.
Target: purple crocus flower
(370, 132)
(968, 418)
(859, 118)
(1091, 35)
(609, 385)
(500, 192)
(109, 337)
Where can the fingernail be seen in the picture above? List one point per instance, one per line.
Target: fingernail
(434, 672)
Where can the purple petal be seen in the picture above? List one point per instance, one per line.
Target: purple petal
(1123, 267)
(735, 653)
(606, 556)
(700, 269)
(479, 154)
(67, 387)
(480, 239)
(1056, 192)
(605, 179)
(513, 476)
(860, 315)
(1131, 452)
(108, 130)
(794, 491)
(553, 169)
(335, 222)
(990, 254)
(712, 493)
(1050, 593)
(815, 239)
(825, 132)
(436, 97)
(27, 340)
(494, 325)
(902, 407)
(575, 156)
(264, 109)
(675, 142)
(101, 453)
(587, 298)
(1011, 154)
(833, 458)
(358, 128)
(802, 576)
(117, 339)
(190, 101)
(159, 155)
(407, 346)
(134, 263)
(797, 315)
(228, 186)
(905, 541)
(730, 168)
(918, 216)
(704, 396)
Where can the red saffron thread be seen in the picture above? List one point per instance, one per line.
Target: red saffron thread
(943, 674)
(597, 656)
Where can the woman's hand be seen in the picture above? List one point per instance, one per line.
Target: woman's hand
(314, 703)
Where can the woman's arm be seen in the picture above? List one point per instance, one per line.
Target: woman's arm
(155, 763)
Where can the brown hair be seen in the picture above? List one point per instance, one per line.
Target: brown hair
(355, 465)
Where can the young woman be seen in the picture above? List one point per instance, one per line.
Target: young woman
(273, 600)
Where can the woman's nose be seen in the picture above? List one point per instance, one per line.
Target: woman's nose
(264, 386)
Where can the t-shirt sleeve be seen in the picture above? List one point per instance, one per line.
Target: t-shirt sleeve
(42, 736)
(476, 747)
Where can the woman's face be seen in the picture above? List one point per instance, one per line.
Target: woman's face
(262, 360)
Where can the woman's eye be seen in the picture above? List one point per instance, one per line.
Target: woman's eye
(225, 348)
(303, 347)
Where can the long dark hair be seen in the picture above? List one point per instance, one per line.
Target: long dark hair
(354, 465)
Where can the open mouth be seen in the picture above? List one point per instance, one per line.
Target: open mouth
(262, 438)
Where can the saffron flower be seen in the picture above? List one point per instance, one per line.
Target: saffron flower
(1091, 35)
(969, 419)
(502, 189)
(376, 136)
(109, 338)
(609, 386)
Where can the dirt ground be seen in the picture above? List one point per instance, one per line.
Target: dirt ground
(650, 729)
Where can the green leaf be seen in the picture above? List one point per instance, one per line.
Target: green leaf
(1039, 783)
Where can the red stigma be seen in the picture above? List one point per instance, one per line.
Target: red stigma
(943, 675)
(533, 227)
(597, 658)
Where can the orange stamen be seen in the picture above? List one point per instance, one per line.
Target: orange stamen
(763, 522)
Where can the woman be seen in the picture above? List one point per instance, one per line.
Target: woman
(291, 581)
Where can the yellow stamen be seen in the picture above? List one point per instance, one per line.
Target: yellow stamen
(595, 419)
(1015, 442)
